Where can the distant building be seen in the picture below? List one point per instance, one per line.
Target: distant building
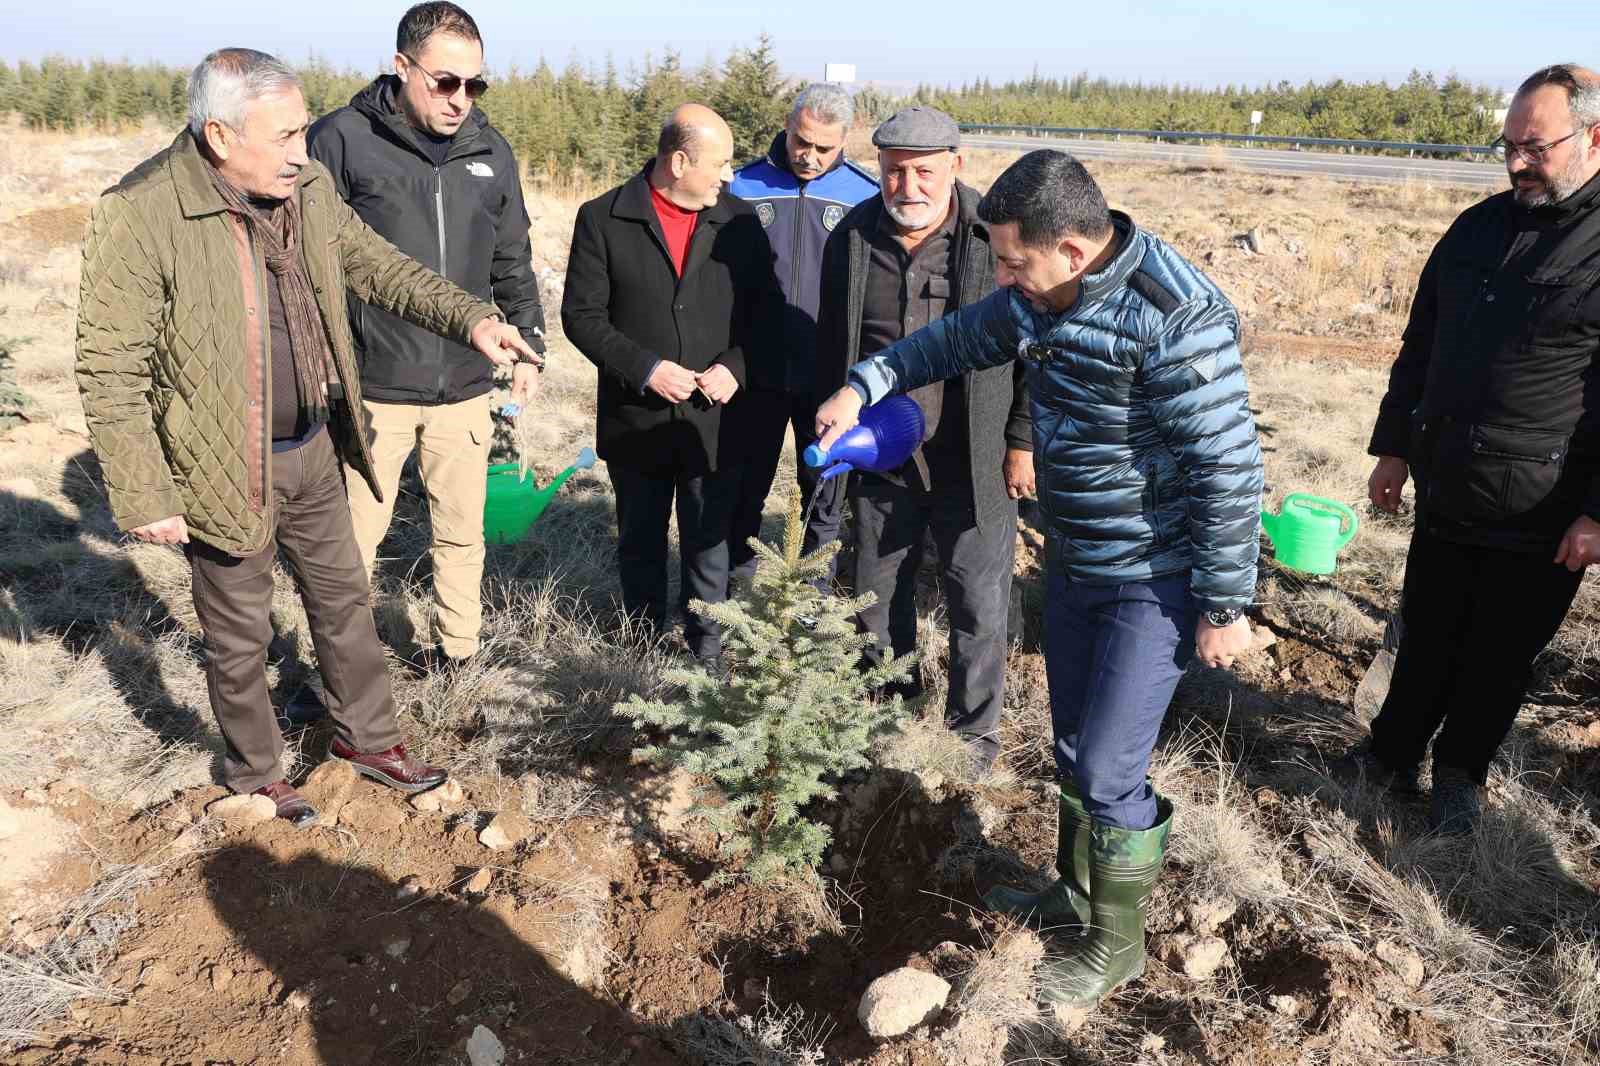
(843, 73)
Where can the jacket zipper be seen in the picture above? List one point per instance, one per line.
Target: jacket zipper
(438, 212)
(794, 263)
(263, 325)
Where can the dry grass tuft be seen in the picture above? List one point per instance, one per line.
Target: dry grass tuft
(37, 987)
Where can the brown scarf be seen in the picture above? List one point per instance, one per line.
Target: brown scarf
(277, 233)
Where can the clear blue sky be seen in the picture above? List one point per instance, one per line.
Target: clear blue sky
(1201, 43)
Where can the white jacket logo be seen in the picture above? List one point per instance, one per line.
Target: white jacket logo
(482, 170)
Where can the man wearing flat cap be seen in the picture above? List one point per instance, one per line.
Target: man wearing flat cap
(898, 261)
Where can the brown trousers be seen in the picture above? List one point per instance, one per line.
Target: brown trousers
(233, 599)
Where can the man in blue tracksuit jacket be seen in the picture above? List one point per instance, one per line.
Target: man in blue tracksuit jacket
(801, 189)
(1149, 481)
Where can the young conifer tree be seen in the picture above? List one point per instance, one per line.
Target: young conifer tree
(793, 713)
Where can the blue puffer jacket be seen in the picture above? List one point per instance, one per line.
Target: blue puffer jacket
(1144, 446)
(798, 217)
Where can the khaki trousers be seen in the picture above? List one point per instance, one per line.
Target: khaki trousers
(453, 443)
(233, 599)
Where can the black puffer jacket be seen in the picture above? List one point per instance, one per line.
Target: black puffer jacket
(1494, 400)
(465, 219)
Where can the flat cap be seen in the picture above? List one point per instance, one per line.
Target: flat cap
(918, 127)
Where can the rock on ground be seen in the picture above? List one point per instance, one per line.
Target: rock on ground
(505, 830)
(329, 787)
(237, 812)
(446, 795)
(484, 1048)
(901, 1000)
(1198, 957)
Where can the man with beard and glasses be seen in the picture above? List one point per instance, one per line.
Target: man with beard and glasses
(220, 387)
(1494, 409)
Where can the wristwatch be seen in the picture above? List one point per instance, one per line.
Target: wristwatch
(1223, 617)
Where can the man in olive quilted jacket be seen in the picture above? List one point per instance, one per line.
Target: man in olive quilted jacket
(217, 376)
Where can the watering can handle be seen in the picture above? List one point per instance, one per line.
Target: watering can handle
(1334, 506)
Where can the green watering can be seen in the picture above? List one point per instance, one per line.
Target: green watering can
(1308, 531)
(513, 504)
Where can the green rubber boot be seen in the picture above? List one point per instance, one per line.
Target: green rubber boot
(1066, 902)
(1123, 867)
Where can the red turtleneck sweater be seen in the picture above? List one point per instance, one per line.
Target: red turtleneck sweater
(677, 225)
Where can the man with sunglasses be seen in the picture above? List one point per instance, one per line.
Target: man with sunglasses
(1494, 409)
(425, 169)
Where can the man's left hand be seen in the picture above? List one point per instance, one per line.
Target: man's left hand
(524, 383)
(1581, 544)
(1219, 646)
(1018, 471)
(718, 383)
(500, 342)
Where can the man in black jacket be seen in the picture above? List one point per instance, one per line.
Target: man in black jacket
(422, 166)
(669, 284)
(896, 262)
(1494, 408)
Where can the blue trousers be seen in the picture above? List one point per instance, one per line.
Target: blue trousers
(1113, 656)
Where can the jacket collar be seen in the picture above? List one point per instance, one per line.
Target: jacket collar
(197, 196)
(1130, 253)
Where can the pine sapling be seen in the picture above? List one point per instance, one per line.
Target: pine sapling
(794, 711)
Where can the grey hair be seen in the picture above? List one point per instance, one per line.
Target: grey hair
(229, 79)
(828, 102)
(1581, 85)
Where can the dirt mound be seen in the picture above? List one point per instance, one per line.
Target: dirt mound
(53, 227)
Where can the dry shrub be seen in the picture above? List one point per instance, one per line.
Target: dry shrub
(37, 987)
(1226, 853)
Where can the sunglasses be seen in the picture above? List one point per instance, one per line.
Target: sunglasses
(450, 84)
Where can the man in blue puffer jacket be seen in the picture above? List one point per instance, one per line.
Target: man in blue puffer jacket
(1149, 482)
(800, 189)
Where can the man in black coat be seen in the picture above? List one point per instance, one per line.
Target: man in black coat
(896, 262)
(669, 284)
(1494, 408)
(422, 166)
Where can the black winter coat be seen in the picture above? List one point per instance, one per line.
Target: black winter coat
(1494, 400)
(999, 415)
(465, 220)
(625, 308)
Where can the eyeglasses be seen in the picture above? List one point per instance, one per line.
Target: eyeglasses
(1533, 153)
(450, 84)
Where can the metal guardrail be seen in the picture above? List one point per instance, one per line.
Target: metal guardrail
(1410, 148)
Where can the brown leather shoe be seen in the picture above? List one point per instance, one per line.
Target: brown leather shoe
(292, 807)
(393, 767)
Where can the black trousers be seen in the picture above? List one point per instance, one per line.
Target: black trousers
(1474, 621)
(759, 418)
(975, 566)
(644, 506)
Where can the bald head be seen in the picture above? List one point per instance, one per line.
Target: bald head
(694, 157)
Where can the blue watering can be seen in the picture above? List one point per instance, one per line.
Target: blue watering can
(1308, 531)
(888, 432)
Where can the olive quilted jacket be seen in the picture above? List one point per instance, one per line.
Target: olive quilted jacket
(173, 362)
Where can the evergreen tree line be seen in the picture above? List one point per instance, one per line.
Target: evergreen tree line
(602, 122)
(1420, 109)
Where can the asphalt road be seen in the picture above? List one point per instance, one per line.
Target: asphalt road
(1481, 175)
